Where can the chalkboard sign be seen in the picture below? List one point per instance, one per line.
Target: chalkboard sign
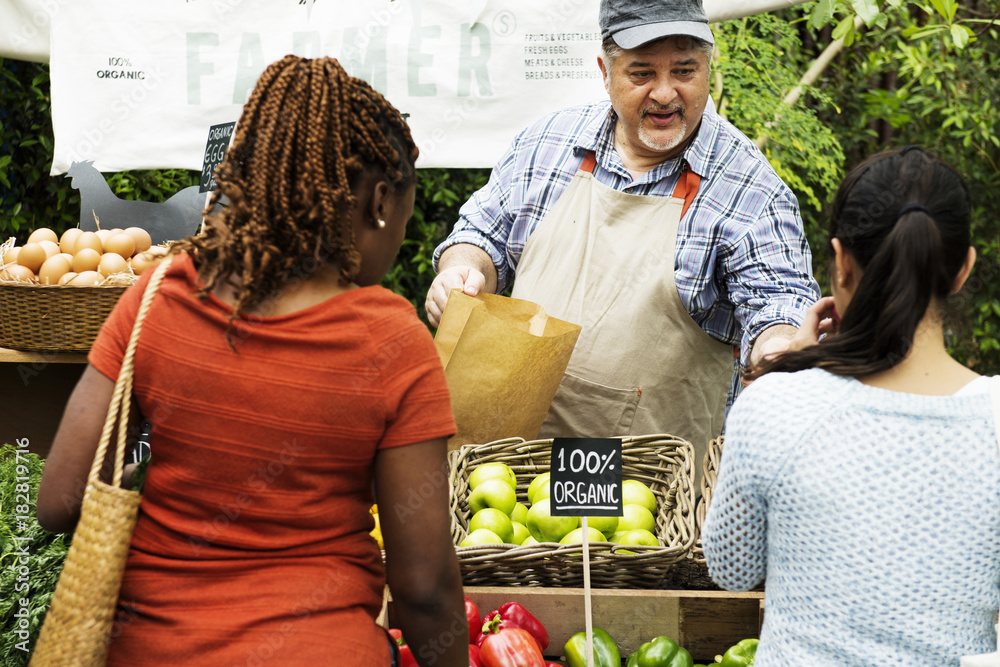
(586, 477)
(215, 152)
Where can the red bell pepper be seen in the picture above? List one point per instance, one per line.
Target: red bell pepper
(406, 658)
(510, 647)
(472, 615)
(513, 615)
(474, 659)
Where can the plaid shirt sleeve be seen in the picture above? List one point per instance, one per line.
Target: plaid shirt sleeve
(769, 271)
(485, 220)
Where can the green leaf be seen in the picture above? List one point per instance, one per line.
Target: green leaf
(867, 10)
(843, 29)
(915, 33)
(822, 14)
(945, 8)
(959, 36)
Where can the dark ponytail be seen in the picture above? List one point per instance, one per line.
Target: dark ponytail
(905, 218)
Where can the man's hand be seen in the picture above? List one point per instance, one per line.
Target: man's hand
(465, 278)
(462, 266)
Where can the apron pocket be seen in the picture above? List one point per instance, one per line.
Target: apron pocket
(582, 408)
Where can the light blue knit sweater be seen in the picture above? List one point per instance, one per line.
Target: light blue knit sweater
(874, 515)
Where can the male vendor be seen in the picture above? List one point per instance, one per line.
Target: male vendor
(650, 221)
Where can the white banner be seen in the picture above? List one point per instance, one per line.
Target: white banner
(136, 85)
(134, 89)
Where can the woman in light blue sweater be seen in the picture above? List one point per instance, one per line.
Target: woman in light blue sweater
(861, 471)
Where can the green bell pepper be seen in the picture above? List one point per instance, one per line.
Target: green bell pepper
(605, 650)
(740, 654)
(660, 652)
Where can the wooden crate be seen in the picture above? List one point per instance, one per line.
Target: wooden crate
(706, 623)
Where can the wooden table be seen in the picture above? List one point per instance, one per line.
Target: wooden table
(34, 388)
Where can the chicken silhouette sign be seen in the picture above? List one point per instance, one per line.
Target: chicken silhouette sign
(178, 217)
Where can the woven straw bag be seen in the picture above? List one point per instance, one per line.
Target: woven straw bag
(78, 623)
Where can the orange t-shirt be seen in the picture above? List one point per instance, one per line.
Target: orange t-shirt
(252, 545)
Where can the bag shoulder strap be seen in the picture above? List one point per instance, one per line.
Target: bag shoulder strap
(121, 399)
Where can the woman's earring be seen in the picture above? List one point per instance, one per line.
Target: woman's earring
(381, 223)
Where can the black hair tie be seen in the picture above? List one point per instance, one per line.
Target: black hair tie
(909, 208)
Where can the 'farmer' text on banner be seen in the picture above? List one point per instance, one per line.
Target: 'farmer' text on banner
(136, 85)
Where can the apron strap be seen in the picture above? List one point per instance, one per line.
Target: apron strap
(686, 189)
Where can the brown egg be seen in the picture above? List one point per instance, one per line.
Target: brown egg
(32, 255)
(143, 261)
(67, 256)
(141, 237)
(68, 277)
(88, 240)
(67, 241)
(11, 255)
(17, 273)
(53, 269)
(86, 279)
(103, 234)
(51, 248)
(112, 262)
(120, 243)
(86, 259)
(43, 234)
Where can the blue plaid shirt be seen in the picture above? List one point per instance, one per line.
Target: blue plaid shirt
(742, 261)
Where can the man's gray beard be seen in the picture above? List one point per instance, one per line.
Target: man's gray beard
(667, 145)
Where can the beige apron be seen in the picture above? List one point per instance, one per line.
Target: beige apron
(604, 259)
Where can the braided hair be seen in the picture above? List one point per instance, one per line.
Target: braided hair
(306, 136)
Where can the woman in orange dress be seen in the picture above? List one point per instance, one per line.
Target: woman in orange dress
(287, 392)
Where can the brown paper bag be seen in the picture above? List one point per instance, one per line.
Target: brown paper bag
(504, 359)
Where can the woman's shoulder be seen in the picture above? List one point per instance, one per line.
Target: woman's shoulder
(783, 406)
(376, 303)
(797, 387)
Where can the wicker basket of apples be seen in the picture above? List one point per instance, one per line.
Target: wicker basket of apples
(505, 534)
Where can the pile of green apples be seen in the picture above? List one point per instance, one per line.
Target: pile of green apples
(499, 518)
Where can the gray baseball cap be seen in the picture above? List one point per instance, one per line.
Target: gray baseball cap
(632, 23)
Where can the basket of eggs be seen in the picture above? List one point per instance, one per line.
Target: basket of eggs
(56, 291)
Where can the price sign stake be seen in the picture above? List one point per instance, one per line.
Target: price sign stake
(586, 480)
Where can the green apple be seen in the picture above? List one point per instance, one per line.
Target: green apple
(521, 532)
(520, 513)
(492, 470)
(575, 536)
(543, 491)
(636, 516)
(528, 541)
(480, 536)
(538, 481)
(493, 493)
(494, 520)
(618, 536)
(640, 537)
(547, 528)
(635, 492)
(606, 524)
